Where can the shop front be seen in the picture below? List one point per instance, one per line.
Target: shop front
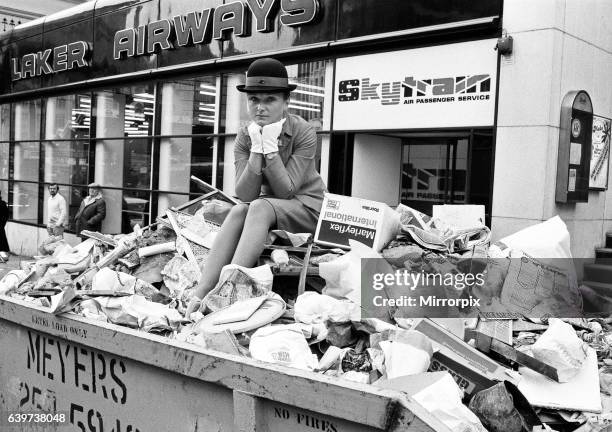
(139, 96)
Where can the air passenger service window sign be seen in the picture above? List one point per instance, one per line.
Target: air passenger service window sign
(433, 87)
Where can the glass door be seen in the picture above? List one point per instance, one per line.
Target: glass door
(434, 171)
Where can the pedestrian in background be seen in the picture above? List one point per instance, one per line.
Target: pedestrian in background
(57, 212)
(4, 216)
(92, 211)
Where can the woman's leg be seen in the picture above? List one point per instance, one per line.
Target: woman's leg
(223, 248)
(260, 218)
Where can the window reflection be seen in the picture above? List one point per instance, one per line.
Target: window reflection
(26, 120)
(309, 100)
(188, 107)
(25, 202)
(68, 117)
(125, 111)
(4, 160)
(5, 118)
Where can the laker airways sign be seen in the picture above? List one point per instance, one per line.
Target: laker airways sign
(50, 61)
(201, 27)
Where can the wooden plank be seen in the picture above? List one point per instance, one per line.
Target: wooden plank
(246, 409)
(214, 190)
(302, 282)
(355, 402)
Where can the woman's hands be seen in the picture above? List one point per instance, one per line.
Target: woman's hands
(256, 138)
(264, 139)
(270, 134)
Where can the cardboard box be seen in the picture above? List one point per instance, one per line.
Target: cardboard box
(472, 370)
(369, 222)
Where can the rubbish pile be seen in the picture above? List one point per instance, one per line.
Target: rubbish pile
(504, 364)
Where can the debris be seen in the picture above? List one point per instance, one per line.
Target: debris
(280, 257)
(312, 307)
(137, 312)
(282, 344)
(270, 310)
(502, 408)
(443, 399)
(179, 274)
(156, 249)
(581, 393)
(238, 283)
(340, 334)
(560, 347)
(150, 269)
(507, 354)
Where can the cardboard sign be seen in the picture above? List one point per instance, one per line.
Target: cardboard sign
(369, 222)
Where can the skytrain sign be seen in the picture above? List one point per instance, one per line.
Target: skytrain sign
(433, 87)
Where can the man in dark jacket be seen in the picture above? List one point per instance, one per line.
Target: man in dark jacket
(92, 211)
(4, 216)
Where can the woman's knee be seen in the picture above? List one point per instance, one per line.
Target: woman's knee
(261, 210)
(238, 212)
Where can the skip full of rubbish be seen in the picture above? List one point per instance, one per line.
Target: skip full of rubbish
(303, 307)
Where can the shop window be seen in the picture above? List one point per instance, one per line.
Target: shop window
(5, 122)
(26, 120)
(438, 169)
(135, 210)
(188, 108)
(4, 192)
(25, 202)
(67, 117)
(125, 111)
(310, 100)
(26, 160)
(66, 162)
(4, 160)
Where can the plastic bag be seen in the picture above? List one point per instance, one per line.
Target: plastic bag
(409, 356)
(107, 279)
(282, 344)
(10, 281)
(215, 210)
(136, 311)
(343, 275)
(312, 307)
(443, 400)
(549, 239)
(560, 347)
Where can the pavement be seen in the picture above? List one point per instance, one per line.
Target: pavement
(13, 263)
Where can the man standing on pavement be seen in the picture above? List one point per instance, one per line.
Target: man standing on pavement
(57, 212)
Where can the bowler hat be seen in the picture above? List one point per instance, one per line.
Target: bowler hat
(266, 75)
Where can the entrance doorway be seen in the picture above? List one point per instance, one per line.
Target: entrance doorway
(447, 170)
(418, 169)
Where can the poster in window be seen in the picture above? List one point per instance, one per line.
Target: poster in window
(600, 154)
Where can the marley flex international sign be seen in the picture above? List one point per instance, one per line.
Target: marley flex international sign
(433, 87)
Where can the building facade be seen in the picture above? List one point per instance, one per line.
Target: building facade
(411, 101)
